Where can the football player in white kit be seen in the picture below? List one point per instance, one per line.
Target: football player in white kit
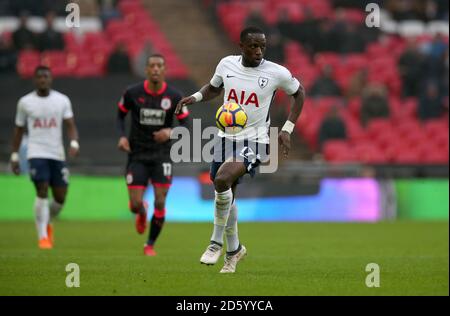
(250, 81)
(43, 112)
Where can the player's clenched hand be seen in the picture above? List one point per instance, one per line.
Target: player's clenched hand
(284, 139)
(185, 101)
(15, 167)
(73, 152)
(162, 136)
(123, 144)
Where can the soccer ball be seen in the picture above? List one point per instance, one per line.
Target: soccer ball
(231, 118)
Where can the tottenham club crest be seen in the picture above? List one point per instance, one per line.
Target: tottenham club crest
(166, 104)
(262, 81)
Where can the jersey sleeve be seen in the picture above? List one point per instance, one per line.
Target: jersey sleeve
(125, 103)
(21, 115)
(288, 83)
(217, 79)
(68, 113)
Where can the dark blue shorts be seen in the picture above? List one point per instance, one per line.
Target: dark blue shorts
(250, 153)
(53, 172)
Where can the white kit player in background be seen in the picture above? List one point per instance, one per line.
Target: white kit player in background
(43, 113)
(250, 81)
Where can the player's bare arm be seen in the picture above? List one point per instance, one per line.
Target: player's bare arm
(17, 138)
(72, 132)
(208, 92)
(284, 137)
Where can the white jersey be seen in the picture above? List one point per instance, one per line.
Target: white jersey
(254, 89)
(44, 117)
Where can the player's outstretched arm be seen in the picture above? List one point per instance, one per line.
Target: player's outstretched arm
(72, 133)
(284, 137)
(17, 138)
(206, 93)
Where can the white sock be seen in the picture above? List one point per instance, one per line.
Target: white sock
(231, 230)
(42, 215)
(55, 209)
(221, 212)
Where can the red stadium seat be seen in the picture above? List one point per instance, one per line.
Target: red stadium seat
(71, 41)
(354, 106)
(368, 152)
(324, 59)
(332, 148)
(356, 133)
(407, 126)
(129, 6)
(324, 104)
(377, 49)
(408, 156)
(355, 16)
(321, 8)
(310, 131)
(356, 61)
(385, 139)
(436, 157)
(431, 153)
(27, 62)
(377, 125)
(436, 127)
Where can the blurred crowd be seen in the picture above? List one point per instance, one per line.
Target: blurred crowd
(24, 38)
(422, 66)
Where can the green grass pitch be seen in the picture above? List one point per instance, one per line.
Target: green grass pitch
(283, 259)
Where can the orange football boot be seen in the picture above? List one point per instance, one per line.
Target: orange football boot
(45, 243)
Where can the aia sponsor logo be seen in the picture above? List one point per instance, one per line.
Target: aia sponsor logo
(243, 98)
(45, 123)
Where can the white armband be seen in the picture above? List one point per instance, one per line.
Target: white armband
(198, 96)
(288, 127)
(74, 144)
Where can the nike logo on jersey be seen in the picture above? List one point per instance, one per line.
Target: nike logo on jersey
(228, 76)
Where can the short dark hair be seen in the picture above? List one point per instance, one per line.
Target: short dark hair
(250, 30)
(41, 67)
(158, 56)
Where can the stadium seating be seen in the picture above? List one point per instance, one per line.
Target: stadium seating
(87, 55)
(399, 139)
